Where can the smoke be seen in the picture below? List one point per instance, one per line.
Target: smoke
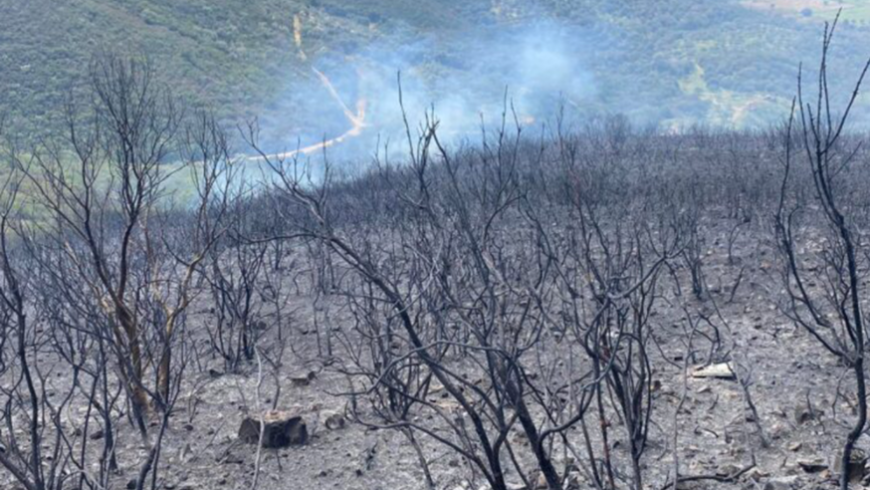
(467, 77)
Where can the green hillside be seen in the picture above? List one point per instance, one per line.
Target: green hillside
(676, 63)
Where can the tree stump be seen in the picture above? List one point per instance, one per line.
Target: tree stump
(280, 429)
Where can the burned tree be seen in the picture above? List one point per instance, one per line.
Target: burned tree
(454, 270)
(108, 212)
(832, 314)
(24, 390)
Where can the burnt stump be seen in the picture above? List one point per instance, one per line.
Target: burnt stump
(280, 429)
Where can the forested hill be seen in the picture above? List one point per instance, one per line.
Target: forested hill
(677, 63)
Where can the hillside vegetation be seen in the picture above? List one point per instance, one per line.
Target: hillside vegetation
(676, 63)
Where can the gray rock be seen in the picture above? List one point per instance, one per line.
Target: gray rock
(814, 465)
(728, 469)
(303, 379)
(781, 483)
(716, 371)
(335, 421)
(803, 413)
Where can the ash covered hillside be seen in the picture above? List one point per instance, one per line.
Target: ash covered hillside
(453, 246)
(326, 69)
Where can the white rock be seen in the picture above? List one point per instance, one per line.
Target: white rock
(718, 371)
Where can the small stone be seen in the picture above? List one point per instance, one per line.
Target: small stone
(715, 371)
(728, 469)
(778, 431)
(814, 465)
(304, 379)
(756, 474)
(131, 485)
(781, 483)
(803, 413)
(96, 436)
(186, 452)
(335, 421)
(795, 446)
